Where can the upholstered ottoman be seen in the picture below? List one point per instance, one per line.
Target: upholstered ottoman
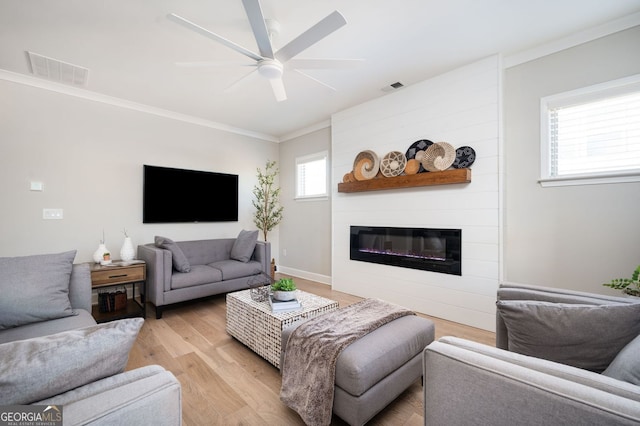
(375, 369)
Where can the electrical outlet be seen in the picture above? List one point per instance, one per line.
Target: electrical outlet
(52, 214)
(284, 252)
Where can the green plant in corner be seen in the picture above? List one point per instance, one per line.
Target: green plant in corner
(284, 284)
(630, 286)
(268, 212)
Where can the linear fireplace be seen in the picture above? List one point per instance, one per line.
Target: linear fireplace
(437, 250)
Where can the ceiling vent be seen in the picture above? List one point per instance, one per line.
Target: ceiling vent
(55, 70)
(393, 86)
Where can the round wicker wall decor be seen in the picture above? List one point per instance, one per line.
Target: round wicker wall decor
(393, 164)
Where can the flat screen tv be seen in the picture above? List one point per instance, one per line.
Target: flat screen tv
(178, 195)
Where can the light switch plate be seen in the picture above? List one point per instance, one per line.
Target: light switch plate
(52, 214)
(36, 186)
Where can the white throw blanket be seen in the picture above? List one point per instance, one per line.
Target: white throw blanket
(308, 371)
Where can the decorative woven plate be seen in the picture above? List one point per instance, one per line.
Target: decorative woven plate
(439, 156)
(393, 164)
(366, 165)
(465, 156)
(415, 148)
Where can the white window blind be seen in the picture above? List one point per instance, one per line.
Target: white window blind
(311, 176)
(592, 133)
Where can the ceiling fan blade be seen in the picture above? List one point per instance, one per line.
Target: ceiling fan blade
(212, 64)
(325, 63)
(242, 80)
(278, 89)
(316, 80)
(203, 31)
(259, 27)
(313, 35)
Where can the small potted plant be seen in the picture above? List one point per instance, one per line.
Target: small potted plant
(630, 286)
(284, 289)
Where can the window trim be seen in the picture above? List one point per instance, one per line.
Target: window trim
(582, 95)
(307, 159)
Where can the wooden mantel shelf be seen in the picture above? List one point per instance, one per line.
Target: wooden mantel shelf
(444, 177)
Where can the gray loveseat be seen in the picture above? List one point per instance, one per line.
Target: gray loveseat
(54, 354)
(186, 270)
(470, 383)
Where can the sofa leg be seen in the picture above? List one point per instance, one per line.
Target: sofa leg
(158, 312)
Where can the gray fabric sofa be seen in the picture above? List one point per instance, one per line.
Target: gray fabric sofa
(59, 356)
(470, 383)
(211, 270)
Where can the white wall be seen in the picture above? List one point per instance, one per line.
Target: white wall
(305, 230)
(461, 107)
(89, 155)
(574, 237)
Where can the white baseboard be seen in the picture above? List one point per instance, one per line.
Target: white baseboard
(323, 279)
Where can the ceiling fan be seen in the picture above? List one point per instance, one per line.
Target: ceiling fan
(270, 64)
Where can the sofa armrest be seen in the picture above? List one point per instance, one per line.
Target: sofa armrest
(142, 396)
(159, 269)
(469, 383)
(80, 287)
(262, 253)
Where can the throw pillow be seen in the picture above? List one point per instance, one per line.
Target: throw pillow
(35, 288)
(244, 245)
(626, 366)
(41, 367)
(584, 336)
(179, 260)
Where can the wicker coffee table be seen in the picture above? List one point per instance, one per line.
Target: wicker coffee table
(253, 323)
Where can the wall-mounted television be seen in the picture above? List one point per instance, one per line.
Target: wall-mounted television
(177, 195)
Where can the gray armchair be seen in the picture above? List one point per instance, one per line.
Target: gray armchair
(470, 383)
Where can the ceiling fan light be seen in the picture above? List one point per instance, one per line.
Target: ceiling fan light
(271, 69)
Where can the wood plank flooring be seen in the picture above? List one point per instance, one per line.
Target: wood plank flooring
(225, 383)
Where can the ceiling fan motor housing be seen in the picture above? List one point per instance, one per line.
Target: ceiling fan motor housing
(270, 68)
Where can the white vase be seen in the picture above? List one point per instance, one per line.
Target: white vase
(97, 256)
(127, 251)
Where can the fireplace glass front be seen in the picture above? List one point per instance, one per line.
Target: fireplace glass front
(437, 250)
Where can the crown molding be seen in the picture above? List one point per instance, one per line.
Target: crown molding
(305, 131)
(123, 103)
(572, 40)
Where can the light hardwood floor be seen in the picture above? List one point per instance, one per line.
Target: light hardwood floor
(225, 383)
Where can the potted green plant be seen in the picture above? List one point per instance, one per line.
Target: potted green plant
(284, 289)
(630, 286)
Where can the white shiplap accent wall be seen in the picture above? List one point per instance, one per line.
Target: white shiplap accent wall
(460, 107)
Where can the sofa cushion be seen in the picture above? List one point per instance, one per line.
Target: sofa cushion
(626, 366)
(244, 245)
(41, 367)
(35, 288)
(572, 334)
(200, 274)
(233, 269)
(179, 260)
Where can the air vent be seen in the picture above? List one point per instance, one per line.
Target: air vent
(55, 70)
(393, 86)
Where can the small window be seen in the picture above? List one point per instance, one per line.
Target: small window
(592, 135)
(311, 176)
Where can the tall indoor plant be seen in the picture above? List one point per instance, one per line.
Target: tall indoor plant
(268, 212)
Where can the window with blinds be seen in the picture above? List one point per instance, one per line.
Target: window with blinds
(592, 135)
(311, 176)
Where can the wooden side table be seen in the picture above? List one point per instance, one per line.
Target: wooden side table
(121, 274)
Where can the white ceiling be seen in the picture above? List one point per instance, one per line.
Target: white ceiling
(131, 48)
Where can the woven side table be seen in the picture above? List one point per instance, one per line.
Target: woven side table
(253, 323)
